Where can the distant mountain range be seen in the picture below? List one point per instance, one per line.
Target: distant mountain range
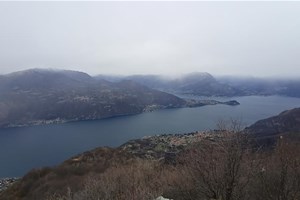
(260, 86)
(204, 84)
(46, 96)
(36, 96)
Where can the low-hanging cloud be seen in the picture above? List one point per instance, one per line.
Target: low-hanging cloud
(239, 38)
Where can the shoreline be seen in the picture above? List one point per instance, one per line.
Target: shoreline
(190, 103)
(163, 146)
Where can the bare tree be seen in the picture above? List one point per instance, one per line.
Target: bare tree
(218, 167)
(279, 175)
(140, 180)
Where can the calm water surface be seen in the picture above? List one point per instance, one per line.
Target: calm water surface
(22, 149)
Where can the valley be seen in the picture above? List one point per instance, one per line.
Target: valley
(37, 104)
(149, 100)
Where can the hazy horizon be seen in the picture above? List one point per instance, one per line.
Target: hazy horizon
(167, 76)
(252, 39)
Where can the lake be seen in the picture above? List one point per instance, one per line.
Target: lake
(22, 149)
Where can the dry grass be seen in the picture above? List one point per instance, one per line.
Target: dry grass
(224, 169)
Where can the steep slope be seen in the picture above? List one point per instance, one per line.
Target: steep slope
(286, 122)
(48, 96)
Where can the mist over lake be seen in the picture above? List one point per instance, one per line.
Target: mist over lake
(22, 149)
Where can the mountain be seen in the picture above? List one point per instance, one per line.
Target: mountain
(286, 122)
(52, 96)
(260, 86)
(202, 84)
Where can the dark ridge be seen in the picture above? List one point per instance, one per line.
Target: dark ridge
(286, 122)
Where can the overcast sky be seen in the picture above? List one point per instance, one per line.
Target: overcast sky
(223, 38)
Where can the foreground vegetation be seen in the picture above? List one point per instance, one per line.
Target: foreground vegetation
(228, 167)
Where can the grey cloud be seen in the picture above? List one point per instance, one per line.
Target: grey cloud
(240, 38)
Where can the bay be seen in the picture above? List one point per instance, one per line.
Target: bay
(22, 149)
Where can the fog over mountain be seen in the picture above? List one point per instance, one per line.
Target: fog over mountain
(39, 96)
(224, 38)
(46, 96)
(205, 84)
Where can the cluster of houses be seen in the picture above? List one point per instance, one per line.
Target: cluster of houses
(160, 146)
(5, 182)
